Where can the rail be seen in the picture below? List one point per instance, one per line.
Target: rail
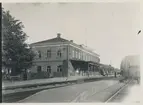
(116, 93)
(86, 95)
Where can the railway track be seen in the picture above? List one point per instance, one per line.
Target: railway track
(113, 96)
(102, 95)
(84, 96)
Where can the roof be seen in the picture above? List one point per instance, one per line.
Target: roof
(59, 39)
(52, 40)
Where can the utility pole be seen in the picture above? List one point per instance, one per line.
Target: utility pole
(85, 36)
(67, 61)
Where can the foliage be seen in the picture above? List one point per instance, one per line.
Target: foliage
(16, 54)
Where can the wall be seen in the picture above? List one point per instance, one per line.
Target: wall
(55, 61)
(74, 54)
(44, 65)
(54, 51)
(52, 61)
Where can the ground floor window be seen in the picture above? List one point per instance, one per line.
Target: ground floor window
(59, 68)
(39, 68)
(49, 69)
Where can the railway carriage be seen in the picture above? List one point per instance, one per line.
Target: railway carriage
(130, 67)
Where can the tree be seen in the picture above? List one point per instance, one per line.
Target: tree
(16, 54)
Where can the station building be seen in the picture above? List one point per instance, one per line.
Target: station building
(59, 57)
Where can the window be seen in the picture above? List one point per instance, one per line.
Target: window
(39, 54)
(39, 69)
(90, 58)
(98, 60)
(95, 59)
(49, 69)
(76, 54)
(79, 55)
(73, 53)
(48, 53)
(86, 57)
(83, 56)
(59, 68)
(59, 54)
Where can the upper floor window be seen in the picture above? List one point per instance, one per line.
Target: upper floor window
(49, 69)
(95, 59)
(48, 53)
(98, 60)
(59, 53)
(81, 55)
(59, 68)
(86, 58)
(73, 53)
(90, 58)
(76, 54)
(39, 54)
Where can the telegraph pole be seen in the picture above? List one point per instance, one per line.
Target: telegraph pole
(85, 36)
(67, 61)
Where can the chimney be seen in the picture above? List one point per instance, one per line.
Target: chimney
(58, 35)
(71, 41)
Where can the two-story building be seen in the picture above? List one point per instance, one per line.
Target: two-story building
(61, 57)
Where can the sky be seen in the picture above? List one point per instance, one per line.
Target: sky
(108, 28)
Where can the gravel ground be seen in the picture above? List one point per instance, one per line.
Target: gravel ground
(73, 93)
(130, 94)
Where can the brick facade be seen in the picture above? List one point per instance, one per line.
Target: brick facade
(54, 56)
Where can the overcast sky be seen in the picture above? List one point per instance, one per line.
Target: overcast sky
(109, 28)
